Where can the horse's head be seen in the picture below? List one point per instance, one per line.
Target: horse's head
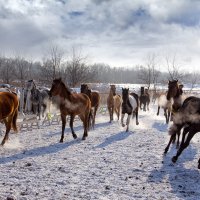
(30, 85)
(113, 89)
(59, 88)
(125, 94)
(173, 89)
(84, 88)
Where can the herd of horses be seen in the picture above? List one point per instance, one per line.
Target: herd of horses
(183, 112)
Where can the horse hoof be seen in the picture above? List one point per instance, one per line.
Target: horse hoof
(137, 123)
(174, 159)
(198, 166)
(123, 125)
(84, 138)
(74, 136)
(61, 141)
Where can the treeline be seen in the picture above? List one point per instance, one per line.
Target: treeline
(75, 71)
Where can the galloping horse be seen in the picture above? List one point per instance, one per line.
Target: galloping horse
(188, 117)
(144, 99)
(130, 106)
(175, 93)
(71, 104)
(94, 98)
(8, 112)
(114, 102)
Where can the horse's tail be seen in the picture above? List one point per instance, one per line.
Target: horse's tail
(14, 120)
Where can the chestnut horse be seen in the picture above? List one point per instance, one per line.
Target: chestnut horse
(114, 102)
(8, 112)
(94, 98)
(130, 106)
(71, 104)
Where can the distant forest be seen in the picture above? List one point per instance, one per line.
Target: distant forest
(76, 71)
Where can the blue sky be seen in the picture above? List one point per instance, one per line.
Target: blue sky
(116, 32)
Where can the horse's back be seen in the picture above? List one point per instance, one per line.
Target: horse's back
(117, 100)
(95, 98)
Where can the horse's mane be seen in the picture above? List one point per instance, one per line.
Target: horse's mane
(67, 89)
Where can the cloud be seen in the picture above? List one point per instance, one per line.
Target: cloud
(111, 31)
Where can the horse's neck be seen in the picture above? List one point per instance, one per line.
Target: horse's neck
(65, 94)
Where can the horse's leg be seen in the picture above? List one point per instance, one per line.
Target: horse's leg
(71, 126)
(8, 127)
(166, 116)
(122, 119)
(136, 116)
(85, 119)
(118, 112)
(94, 116)
(39, 110)
(128, 122)
(109, 110)
(63, 118)
(199, 163)
(191, 133)
(158, 110)
(170, 141)
(144, 107)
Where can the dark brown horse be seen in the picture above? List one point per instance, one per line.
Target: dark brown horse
(188, 117)
(144, 99)
(8, 112)
(175, 93)
(71, 104)
(94, 98)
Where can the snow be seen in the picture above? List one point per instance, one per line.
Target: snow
(110, 164)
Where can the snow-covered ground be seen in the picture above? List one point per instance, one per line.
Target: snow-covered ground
(110, 164)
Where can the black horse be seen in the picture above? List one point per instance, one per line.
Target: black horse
(144, 99)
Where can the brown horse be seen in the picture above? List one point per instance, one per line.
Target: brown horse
(8, 112)
(114, 102)
(94, 98)
(71, 104)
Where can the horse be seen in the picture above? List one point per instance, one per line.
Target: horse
(130, 104)
(114, 102)
(144, 99)
(188, 118)
(39, 98)
(166, 105)
(8, 112)
(71, 104)
(94, 98)
(175, 93)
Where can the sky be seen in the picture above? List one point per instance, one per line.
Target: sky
(115, 32)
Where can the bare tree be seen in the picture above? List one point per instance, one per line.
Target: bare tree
(76, 69)
(174, 70)
(22, 67)
(7, 69)
(52, 63)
